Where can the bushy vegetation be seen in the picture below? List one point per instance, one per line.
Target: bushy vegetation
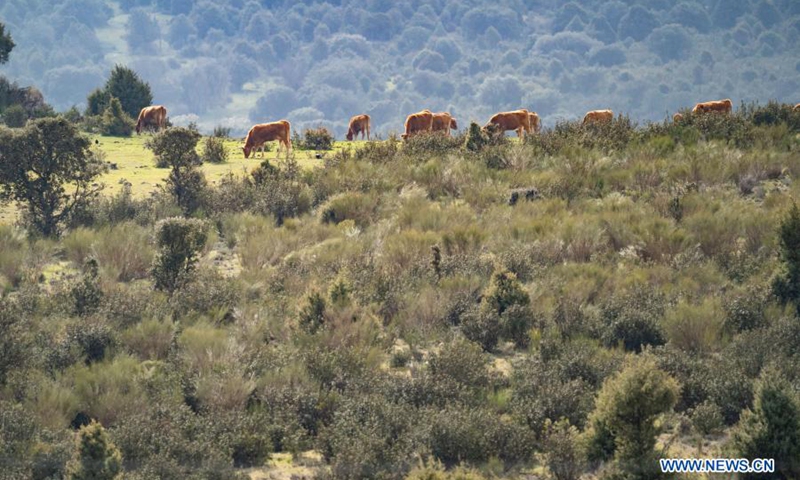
(392, 313)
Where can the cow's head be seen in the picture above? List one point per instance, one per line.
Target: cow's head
(350, 134)
(246, 151)
(453, 124)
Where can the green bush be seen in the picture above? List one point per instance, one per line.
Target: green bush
(115, 122)
(15, 116)
(312, 315)
(786, 285)
(772, 428)
(319, 138)
(214, 151)
(179, 241)
(707, 418)
(626, 411)
(280, 192)
(563, 450)
(96, 457)
(355, 206)
(86, 293)
(634, 319)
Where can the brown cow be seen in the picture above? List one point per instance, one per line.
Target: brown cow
(536, 122)
(677, 117)
(598, 116)
(267, 132)
(418, 122)
(797, 108)
(518, 120)
(358, 124)
(152, 115)
(719, 106)
(444, 122)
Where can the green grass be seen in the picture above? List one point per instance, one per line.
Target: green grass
(136, 164)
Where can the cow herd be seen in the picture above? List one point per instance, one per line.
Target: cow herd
(522, 121)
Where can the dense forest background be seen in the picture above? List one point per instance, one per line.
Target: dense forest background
(235, 62)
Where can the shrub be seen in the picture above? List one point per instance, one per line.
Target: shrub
(206, 292)
(427, 144)
(563, 450)
(312, 315)
(707, 418)
(356, 206)
(319, 138)
(124, 251)
(95, 457)
(115, 122)
(15, 116)
(772, 428)
(627, 408)
(481, 327)
(86, 293)
(175, 148)
(214, 151)
(461, 362)
(633, 320)
(15, 341)
(279, 191)
(695, 328)
(370, 438)
(786, 286)
(505, 299)
(179, 241)
(150, 339)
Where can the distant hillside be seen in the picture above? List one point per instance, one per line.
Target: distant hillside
(235, 62)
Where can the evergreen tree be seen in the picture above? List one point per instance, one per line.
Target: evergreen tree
(787, 285)
(6, 44)
(623, 423)
(771, 429)
(95, 457)
(116, 122)
(133, 93)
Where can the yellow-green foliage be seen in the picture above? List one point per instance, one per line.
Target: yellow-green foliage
(696, 328)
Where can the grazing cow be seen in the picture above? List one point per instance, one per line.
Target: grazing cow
(598, 116)
(152, 115)
(677, 117)
(518, 120)
(536, 122)
(267, 132)
(719, 106)
(358, 124)
(418, 122)
(443, 122)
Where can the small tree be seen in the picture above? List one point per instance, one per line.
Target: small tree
(95, 457)
(564, 452)
(48, 168)
(214, 151)
(506, 299)
(623, 422)
(6, 44)
(15, 116)
(787, 285)
(175, 148)
(179, 241)
(97, 101)
(115, 121)
(772, 428)
(133, 93)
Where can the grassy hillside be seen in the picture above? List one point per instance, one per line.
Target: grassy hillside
(397, 310)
